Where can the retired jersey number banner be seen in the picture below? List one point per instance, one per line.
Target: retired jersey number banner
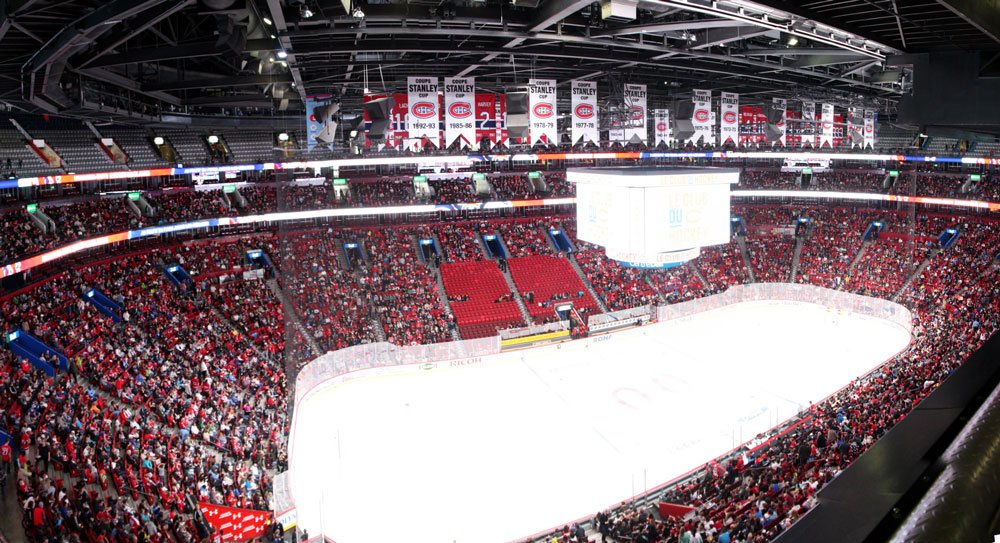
(661, 127)
(729, 129)
(635, 100)
(542, 111)
(460, 112)
(584, 115)
(423, 120)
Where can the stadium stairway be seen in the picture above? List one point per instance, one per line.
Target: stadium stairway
(571, 258)
(746, 258)
(697, 273)
(443, 297)
(796, 257)
(916, 273)
(525, 314)
(859, 256)
(292, 316)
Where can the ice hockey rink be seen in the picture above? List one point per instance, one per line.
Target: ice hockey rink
(524, 441)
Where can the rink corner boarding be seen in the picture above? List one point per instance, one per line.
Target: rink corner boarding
(381, 359)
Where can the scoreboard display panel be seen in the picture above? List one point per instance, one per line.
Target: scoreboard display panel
(653, 217)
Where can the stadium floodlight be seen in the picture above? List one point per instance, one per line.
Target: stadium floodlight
(158, 140)
(793, 41)
(283, 136)
(268, 21)
(354, 134)
(213, 139)
(282, 54)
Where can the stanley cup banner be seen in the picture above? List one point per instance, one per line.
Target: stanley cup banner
(584, 115)
(460, 112)
(729, 130)
(869, 129)
(826, 136)
(780, 105)
(635, 100)
(661, 127)
(423, 119)
(808, 128)
(701, 119)
(542, 111)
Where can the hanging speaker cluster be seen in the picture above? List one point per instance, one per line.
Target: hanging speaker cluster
(379, 112)
(517, 115)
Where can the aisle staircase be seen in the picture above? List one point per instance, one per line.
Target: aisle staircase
(916, 273)
(586, 282)
(796, 256)
(517, 296)
(292, 317)
(443, 297)
(745, 253)
(697, 273)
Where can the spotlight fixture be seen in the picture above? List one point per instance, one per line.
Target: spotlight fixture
(358, 14)
(306, 13)
(354, 134)
(158, 140)
(282, 55)
(793, 41)
(283, 136)
(268, 21)
(213, 139)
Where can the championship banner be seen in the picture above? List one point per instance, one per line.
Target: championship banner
(701, 119)
(661, 127)
(826, 137)
(729, 130)
(808, 125)
(542, 111)
(780, 105)
(869, 129)
(459, 112)
(635, 99)
(235, 524)
(423, 120)
(584, 114)
(315, 125)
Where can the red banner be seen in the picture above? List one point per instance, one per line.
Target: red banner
(486, 117)
(235, 524)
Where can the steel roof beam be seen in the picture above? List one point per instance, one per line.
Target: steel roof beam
(979, 13)
(217, 82)
(187, 50)
(680, 26)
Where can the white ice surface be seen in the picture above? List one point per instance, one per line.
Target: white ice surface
(532, 439)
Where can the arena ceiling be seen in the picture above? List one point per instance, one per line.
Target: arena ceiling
(142, 58)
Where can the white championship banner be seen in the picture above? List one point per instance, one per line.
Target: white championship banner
(459, 112)
(661, 127)
(635, 98)
(826, 136)
(808, 128)
(701, 120)
(615, 131)
(584, 112)
(781, 106)
(542, 111)
(869, 129)
(423, 117)
(729, 130)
